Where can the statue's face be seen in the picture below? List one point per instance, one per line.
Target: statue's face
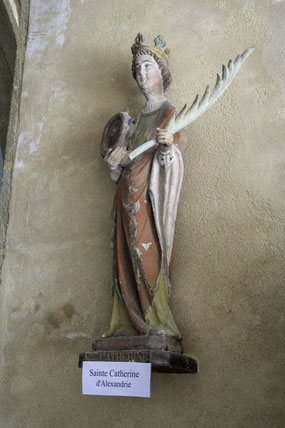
(148, 75)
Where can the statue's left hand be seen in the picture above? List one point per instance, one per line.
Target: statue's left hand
(165, 138)
(116, 156)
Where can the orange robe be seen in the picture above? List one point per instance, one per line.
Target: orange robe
(140, 264)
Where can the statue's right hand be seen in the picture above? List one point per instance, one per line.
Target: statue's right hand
(115, 157)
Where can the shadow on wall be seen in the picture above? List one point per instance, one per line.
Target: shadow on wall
(7, 64)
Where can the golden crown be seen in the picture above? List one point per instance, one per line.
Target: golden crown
(158, 48)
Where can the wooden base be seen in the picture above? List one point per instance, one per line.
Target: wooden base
(162, 343)
(163, 352)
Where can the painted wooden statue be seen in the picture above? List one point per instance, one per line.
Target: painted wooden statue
(145, 159)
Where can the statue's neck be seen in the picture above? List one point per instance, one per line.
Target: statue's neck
(154, 102)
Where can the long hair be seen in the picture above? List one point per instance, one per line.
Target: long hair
(165, 73)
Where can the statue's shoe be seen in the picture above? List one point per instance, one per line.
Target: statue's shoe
(120, 333)
(155, 332)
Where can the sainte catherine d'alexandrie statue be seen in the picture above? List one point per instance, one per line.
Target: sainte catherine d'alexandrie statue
(144, 156)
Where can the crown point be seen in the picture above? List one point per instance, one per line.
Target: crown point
(158, 48)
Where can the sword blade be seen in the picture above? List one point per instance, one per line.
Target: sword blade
(141, 149)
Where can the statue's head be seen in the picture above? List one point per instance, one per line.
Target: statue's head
(150, 65)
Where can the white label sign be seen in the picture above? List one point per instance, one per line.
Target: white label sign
(116, 378)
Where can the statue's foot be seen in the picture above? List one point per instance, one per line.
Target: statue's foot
(120, 333)
(155, 332)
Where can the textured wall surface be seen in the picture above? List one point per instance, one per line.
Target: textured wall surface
(228, 276)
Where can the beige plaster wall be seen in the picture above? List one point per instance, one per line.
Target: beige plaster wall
(228, 278)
